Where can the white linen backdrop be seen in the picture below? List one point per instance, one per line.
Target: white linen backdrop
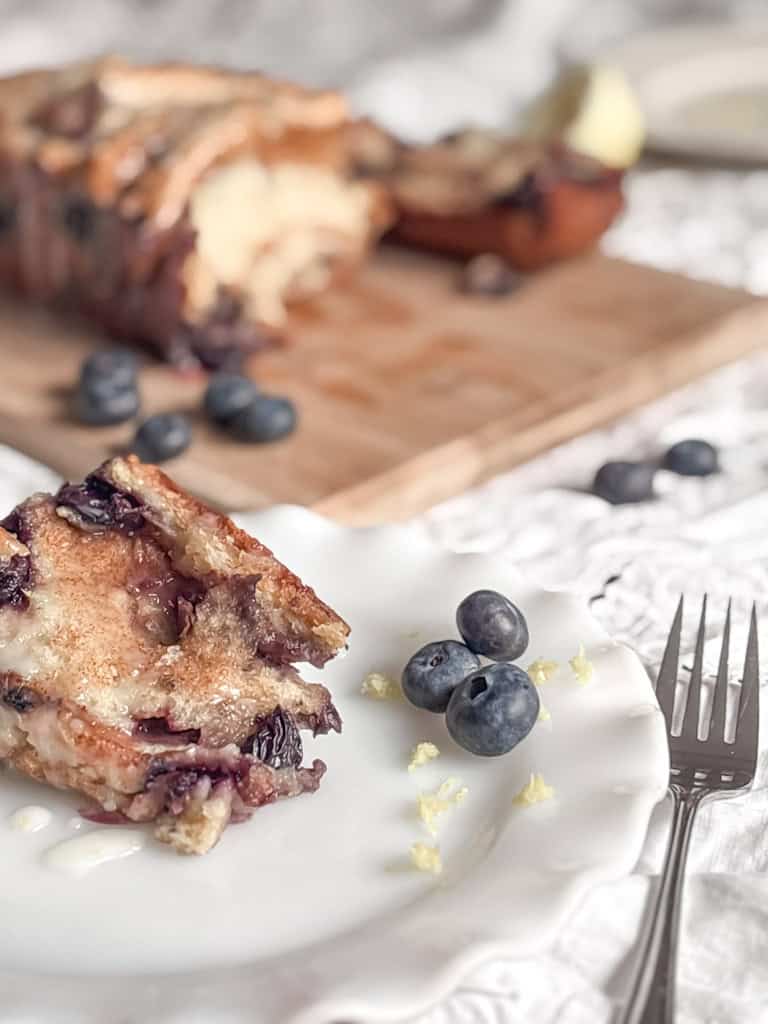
(426, 66)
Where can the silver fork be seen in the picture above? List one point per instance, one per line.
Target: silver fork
(699, 768)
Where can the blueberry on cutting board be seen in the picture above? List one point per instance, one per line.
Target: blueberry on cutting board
(103, 408)
(116, 366)
(624, 483)
(227, 395)
(162, 437)
(692, 457)
(266, 418)
(107, 388)
(492, 710)
(434, 672)
(492, 626)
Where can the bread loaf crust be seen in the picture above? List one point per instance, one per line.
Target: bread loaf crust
(99, 167)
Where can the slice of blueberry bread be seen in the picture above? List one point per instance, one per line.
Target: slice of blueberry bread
(147, 648)
(474, 192)
(183, 207)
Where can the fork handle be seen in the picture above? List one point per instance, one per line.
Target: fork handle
(652, 999)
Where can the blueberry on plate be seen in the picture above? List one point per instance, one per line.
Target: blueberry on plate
(228, 394)
(491, 625)
(692, 458)
(266, 418)
(116, 367)
(102, 407)
(492, 710)
(434, 672)
(162, 437)
(624, 483)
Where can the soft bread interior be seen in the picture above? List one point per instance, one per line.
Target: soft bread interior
(271, 232)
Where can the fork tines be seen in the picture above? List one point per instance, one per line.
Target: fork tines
(715, 753)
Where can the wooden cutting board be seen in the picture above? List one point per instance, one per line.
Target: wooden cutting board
(408, 390)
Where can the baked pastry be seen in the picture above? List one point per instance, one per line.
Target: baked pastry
(474, 192)
(179, 206)
(146, 656)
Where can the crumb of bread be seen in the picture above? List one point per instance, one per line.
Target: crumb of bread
(426, 858)
(422, 754)
(544, 715)
(431, 805)
(198, 829)
(535, 791)
(378, 686)
(541, 670)
(582, 667)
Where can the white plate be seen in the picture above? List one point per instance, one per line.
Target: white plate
(310, 912)
(695, 82)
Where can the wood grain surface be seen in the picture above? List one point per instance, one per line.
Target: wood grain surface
(408, 390)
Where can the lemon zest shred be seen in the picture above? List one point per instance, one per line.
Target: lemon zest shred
(431, 805)
(379, 686)
(426, 858)
(535, 791)
(422, 754)
(582, 667)
(541, 671)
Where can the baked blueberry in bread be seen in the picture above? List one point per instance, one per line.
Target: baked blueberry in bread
(532, 203)
(179, 206)
(147, 651)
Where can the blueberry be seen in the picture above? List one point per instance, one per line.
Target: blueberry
(434, 672)
(489, 275)
(492, 710)
(228, 394)
(101, 407)
(491, 625)
(106, 391)
(267, 418)
(162, 437)
(692, 458)
(115, 367)
(624, 483)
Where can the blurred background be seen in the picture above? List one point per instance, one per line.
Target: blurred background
(429, 66)
(423, 64)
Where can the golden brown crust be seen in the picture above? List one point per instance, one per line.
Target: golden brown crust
(145, 655)
(571, 219)
(152, 132)
(202, 543)
(10, 546)
(103, 163)
(49, 103)
(101, 631)
(476, 191)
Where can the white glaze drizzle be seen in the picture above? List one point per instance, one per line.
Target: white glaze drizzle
(31, 818)
(81, 854)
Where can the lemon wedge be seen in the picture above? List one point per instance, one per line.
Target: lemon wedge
(594, 110)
